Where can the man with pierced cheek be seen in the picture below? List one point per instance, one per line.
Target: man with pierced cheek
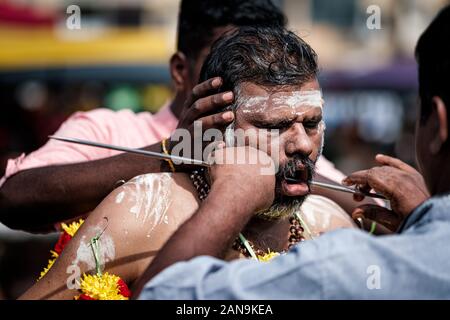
(289, 121)
(273, 75)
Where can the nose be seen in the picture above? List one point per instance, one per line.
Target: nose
(298, 141)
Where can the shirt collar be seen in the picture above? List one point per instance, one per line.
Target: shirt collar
(435, 208)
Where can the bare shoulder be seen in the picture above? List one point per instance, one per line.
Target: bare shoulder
(322, 214)
(134, 221)
(184, 199)
(154, 198)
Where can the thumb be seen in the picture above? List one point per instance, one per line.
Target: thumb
(381, 215)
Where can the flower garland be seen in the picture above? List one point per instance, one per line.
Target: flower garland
(93, 287)
(101, 286)
(64, 238)
(268, 256)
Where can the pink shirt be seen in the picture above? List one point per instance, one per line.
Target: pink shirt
(123, 128)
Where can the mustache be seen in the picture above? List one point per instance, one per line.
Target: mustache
(285, 206)
(289, 168)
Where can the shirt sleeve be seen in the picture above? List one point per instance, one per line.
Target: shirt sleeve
(342, 264)
(309, 271)
(92, 125)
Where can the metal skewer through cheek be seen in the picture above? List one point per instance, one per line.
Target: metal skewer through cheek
(347, 190)
(163, 156)
(150, 154)
(341, 188)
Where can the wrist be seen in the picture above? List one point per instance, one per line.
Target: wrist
(236, 196)
(165, 149)
(225, 214)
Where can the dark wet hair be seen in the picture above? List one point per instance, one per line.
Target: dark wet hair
(433, 57)
(264, 56)
(198, 18)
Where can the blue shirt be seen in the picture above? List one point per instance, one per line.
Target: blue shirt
(343, 264)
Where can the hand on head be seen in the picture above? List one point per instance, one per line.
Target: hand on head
(202, 106)
(206, 99)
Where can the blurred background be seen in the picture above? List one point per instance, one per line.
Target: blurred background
(119, 59)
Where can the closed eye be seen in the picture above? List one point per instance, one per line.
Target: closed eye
(311, 124)
(284, 124)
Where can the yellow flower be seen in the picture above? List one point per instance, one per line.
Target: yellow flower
(268, 256)
(72, 228)
(101, 287)
(50, 264)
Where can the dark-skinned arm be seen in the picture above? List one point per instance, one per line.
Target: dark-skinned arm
(35, 199)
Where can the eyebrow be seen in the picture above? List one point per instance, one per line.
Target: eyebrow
(273, 122)
(282, 121)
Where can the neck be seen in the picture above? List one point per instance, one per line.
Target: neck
(177, 104)
(441, 184)
(264, 234)
(273, 234)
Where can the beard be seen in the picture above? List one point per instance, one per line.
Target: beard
(284, 206)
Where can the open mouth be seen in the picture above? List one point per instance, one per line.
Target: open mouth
(295, 184)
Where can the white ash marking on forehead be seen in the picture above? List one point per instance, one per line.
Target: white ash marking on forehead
(293, 100)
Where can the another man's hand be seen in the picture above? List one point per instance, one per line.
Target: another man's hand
(246, 172)
(398, 182)
(202, 106)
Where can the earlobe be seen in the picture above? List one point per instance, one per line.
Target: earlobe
(441, 111)
(179, 69)
(440, 125)
(435, 145)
